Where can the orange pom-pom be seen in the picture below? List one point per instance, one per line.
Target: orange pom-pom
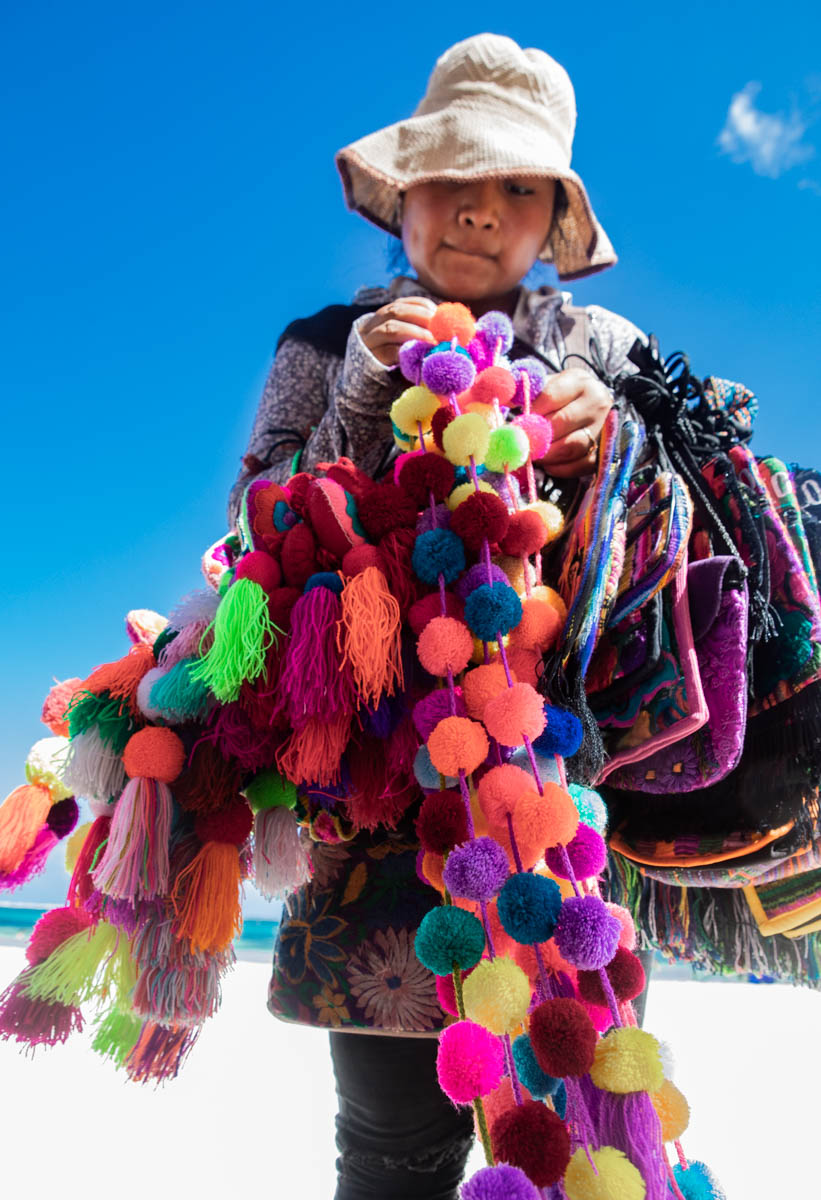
(539, 627)
(457, 744)
(154, 753)
(56, 703)
(432, 868)
(453, 320)
(499, 790)
(538, 822)
(121, 678)
(672, 1110)
(514, 714)
(445, 644)
(482, 684)
(524, 664)
(564, 816)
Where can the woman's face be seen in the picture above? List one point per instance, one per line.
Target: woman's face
(475, 241)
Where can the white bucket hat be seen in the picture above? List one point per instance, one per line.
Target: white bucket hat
(491, 108)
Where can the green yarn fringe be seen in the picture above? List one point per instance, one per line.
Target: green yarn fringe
(116, 1035)
(712, 928)
(111, 719)
(243, 634)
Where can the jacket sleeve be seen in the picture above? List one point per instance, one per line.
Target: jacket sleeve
(318, 407)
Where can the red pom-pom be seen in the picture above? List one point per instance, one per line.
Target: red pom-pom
(154, 753)
(482, 515)
(298, 486)
(442, 822)
(231, 824)
(56, 703)
(54, 928)
(428, 607)
(260, 568)
(514, 714)
(453, 320)
(626, 975)
(385, 508)
(525, 535)
(534, 1139)
(421, 474)
(439, 423)
(360, 557)
(445, 644)
(494, 383)
(299, 556)
(563, 1037)
(280, 604)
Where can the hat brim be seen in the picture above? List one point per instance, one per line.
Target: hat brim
(377, 168)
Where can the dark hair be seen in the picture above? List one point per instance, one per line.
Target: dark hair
(397, 260)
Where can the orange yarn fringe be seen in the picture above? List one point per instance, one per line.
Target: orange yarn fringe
(370, 629)
(315, 751)
(22, 815)
(121, 678)
(206, 898)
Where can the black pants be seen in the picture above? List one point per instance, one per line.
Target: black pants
(398, 1136)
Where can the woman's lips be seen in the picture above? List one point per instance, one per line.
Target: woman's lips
(467, 253)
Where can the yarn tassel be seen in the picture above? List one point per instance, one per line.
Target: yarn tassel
(81, 884)
(180, 695)
(32, 862)
(206, 898)
(236, 738)
(120, 679)
(158, 1053)
(135, 863)
(369, 636)
(111, 719)
(116, 1035)
(22, 815)
(313, 754)
(33, 1022)
(281, 861)
(243, 633)
(84, 963)
(630, 1123)
(94, 767)
(190, 642)
(313, 675)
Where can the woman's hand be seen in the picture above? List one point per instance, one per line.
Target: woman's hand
(385, 331)
(577, 405)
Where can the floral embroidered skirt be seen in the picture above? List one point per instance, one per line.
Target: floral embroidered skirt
(344, 956)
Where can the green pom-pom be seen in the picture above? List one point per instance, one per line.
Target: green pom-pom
(243, 634)
(180, 695)
(590, 807)
(508, 449)
(269, 789)
(449, 937)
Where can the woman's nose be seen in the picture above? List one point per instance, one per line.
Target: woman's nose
(477, 207)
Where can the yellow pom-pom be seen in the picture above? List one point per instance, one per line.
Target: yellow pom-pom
(74, 845)
(415, 406)
(464, 490)
(551, 597)
(627, 1060)
(515, 571)
(672, 1109)
(550, 514)
(497, 995)
(617, 1178)
(464, 438)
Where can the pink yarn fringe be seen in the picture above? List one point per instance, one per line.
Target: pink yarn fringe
(35, 1022)
(33, 861)
(159, 1052)
(134, 865)
(185, 645)
(313, 677)
(281, 861)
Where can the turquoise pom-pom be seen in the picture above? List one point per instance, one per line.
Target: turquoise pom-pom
(560, 1099)
(426, 774)
(537, 1081)
(449, 936)
(698, 1182)
(590, 807)
(327, 579)
(438, 552)
(528, 907)
(492, 610)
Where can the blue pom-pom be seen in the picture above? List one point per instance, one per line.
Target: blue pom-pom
(546, 764)
(438, 552)
(537, 1082)
(698, 1182)
(492, 610)
(528, 907)
(426, 774)
(590, 807)
(449, 935)
(561, 735)
(560, 1100)
(327, 579)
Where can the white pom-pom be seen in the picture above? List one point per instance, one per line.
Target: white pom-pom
(46, 764)
(668, 1061)
(144, 693)
(281, 861)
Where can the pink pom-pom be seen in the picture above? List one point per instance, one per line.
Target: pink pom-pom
(539, 433)
(260, 568)
(470, 1062)
(514, 714)
(481, 685)
(627, 937)
(587, 853)
(494, 383)
(445, 644)
(56, 703)
(54, 928)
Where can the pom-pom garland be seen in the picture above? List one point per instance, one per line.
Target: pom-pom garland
(533, 1138)
(469, 1063)
(586, 934)
(476, 870)
(448, 938)
(502, 1182)
(607, 1175)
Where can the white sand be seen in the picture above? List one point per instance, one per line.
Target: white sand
(253, 1108)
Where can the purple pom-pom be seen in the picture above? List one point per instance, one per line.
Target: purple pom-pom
(586, 934)
(476, 870)
(410, 359)
(499, 1183)
(495, 325)
(425, 520)
(476, 576)
(586, 851)
(433, 708)
(62, 817)
(448, 372)
(481, 352)
(535, 372)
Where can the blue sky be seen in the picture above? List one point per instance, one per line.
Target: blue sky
(171, 203)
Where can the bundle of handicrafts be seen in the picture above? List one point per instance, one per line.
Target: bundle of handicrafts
(368, 650)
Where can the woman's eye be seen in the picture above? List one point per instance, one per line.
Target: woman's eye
(518, 189)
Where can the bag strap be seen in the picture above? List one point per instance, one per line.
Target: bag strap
(576, 336)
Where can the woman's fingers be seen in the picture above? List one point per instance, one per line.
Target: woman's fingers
(385, 331)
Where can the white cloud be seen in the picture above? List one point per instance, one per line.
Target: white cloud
(770, 142)
(810, 185)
